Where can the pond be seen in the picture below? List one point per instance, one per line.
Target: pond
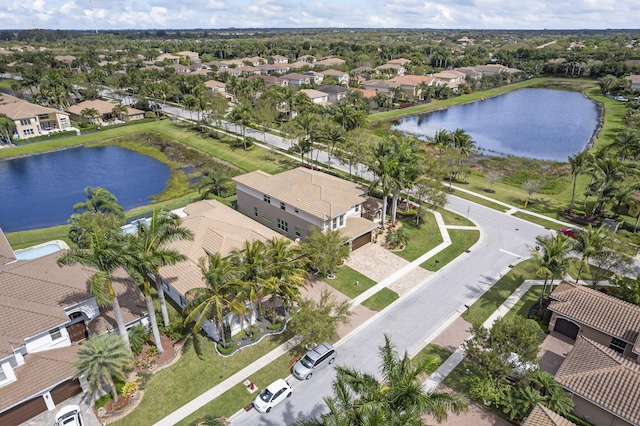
(534, 123)
(39, 191)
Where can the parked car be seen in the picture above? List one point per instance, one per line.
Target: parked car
(69, 415)
(315, 359)
(570, 232)
(621, 98)
(272, 395)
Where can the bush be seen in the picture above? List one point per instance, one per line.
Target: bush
(129, 388)
(274, 327)
(138, 335)
(176, 329)
(50, 136)
(226, 351)
(152, 351)
(408, 213)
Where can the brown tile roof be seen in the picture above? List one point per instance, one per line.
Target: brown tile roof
(412, 80)
(542, 416)
(16, 108)
(41, 371)
(367, 94)
(399, 61)
(357, 226)
(597, 310)
(103, 107)
(6, 252)
(603, 377)
(635, 79)
(319, 194)
(216, 229)
(334, 73)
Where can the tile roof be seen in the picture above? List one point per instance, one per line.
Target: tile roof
(333, 88)
(16, 108)
(597, 310)
(42, 370)
(314, 94)
(603, 377)
(216, 229)
(317, 193)
(333, 72)
(412, 80)
(6, 252)
(542, 416)
(103, 107)
(357, 226)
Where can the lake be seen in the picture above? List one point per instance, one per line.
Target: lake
(39, 191)
(535, 123)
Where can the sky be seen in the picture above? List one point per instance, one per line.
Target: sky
(214, 14)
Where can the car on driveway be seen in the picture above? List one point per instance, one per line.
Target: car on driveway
(69, 415)
(272, 395)
(314, 360)
(570, 232)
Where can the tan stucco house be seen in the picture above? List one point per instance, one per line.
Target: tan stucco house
(33, 120)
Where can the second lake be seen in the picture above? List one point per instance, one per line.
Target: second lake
(534, 123)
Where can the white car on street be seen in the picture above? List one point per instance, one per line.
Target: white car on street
(272, 395)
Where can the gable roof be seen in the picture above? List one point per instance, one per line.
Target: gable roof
(16, 108)
(542, 416)
(216, 229)
(6, 252)
(399, 61)
(314, 94)
(103, 107)
(603, 377)
(317, 193)
(334, 73)
(597, 310)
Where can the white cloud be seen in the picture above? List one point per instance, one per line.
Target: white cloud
(215, 4)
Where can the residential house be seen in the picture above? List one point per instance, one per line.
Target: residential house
(295, 79)
(32, 120)
(393, 68)
(472, 72)
(187, 54)
(334, 92)
(466, 40)
(131, 114)
(217, 65)
(314, 77)
(279, 59)
(399, 61)
(452, 78)
(273, 69)
(104, 108)
(214, 86)
(341, 76)
(635, 82)
(329, 62)
(245, 71)
(365, 72)
(270, 80)
(255, 61)
(306, 59)
(294, 201)
(316, 96)
(300, 65)
(495, 69)
(542, 416)
(168, 57)
(66, 59)
(216, 228)
(578, 310)
(604, 385)
(45, 310)
(375, 85)
(410, 84)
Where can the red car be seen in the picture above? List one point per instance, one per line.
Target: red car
(570, 232)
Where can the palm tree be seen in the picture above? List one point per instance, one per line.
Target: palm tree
(606, 172)
(118, 110)
(579, 164)
(383, 170)
(101, 359)
(332, 135)
(551, 257)
(148, 253)
(99, 201)
(395, 397)
(627, 142)
(219, 296)
(90, 114)
(214, 182)
(105, 253)
(588, 244)
(286, 268)
(251, 263)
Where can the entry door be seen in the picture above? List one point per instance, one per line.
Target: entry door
(77, 331)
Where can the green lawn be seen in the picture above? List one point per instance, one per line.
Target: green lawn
(499, 292)
(523, 306)
(461, 240)
(479, 200)
(534, 219)
(346, 279)
(451, 218)
(5, 83)
(380, 300)
(457, 379)
(421, 238)
(430, 350)
(169, 389)
(23, 239)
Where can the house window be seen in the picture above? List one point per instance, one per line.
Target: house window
(283, 225)
(341, 220)
(357, 208)
(282, 206)
(3, 375)
(29, 132)
(334, 223)
(255, 211)
(296, 210)
(298, 233)
(618, 345)
(25, 121)
(266, 198)
(55, 333)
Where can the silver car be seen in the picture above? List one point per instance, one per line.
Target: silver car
(314, 360)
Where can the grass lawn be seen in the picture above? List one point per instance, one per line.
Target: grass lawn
(238, 396)
(345, 281)
(498, 293)
(169, 389)
(522, 307)
(451, 218)
(457, 379)
(380, 300)
(480, 201)
(421, 238)
(22, 239)
(5, 83)
(430, 350)
(534, 219)
(461, 240)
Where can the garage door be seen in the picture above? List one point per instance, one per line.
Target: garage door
(566, 328)
(65, 391)
(23, 412)
(360, 241)
(77, 331)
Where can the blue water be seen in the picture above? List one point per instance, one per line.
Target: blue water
(535, 123)
(39, 191)
(36, 252)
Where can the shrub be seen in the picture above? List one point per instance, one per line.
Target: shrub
(226, 351)
(254, 334)
(138, 335)
(144, 363)
(129, 388)
(152, 351)
(274, 327)
(408, 213)
(149, 114)
(176, 329)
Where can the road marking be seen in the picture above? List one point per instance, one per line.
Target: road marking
(512, 254)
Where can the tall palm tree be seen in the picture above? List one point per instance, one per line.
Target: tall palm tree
(395, 397)
(551, 257)
(383, 169)
(148, 252)
(105, 253)
(252, 266)
(99, 201)
(214, 182)
(101, 359)
(607, 172)
(90, 114)
(118, 110)
(286, 268)
(588, 244)
(579, 164)
(220, 295)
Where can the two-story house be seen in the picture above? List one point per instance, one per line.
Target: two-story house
(335, 93)
(316, 96)
(294, 201)
(296, 80)
(32, 120)
(341, 76)
(45, 310)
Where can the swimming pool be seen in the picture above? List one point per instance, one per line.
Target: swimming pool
(131, 228)
(39, 250)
